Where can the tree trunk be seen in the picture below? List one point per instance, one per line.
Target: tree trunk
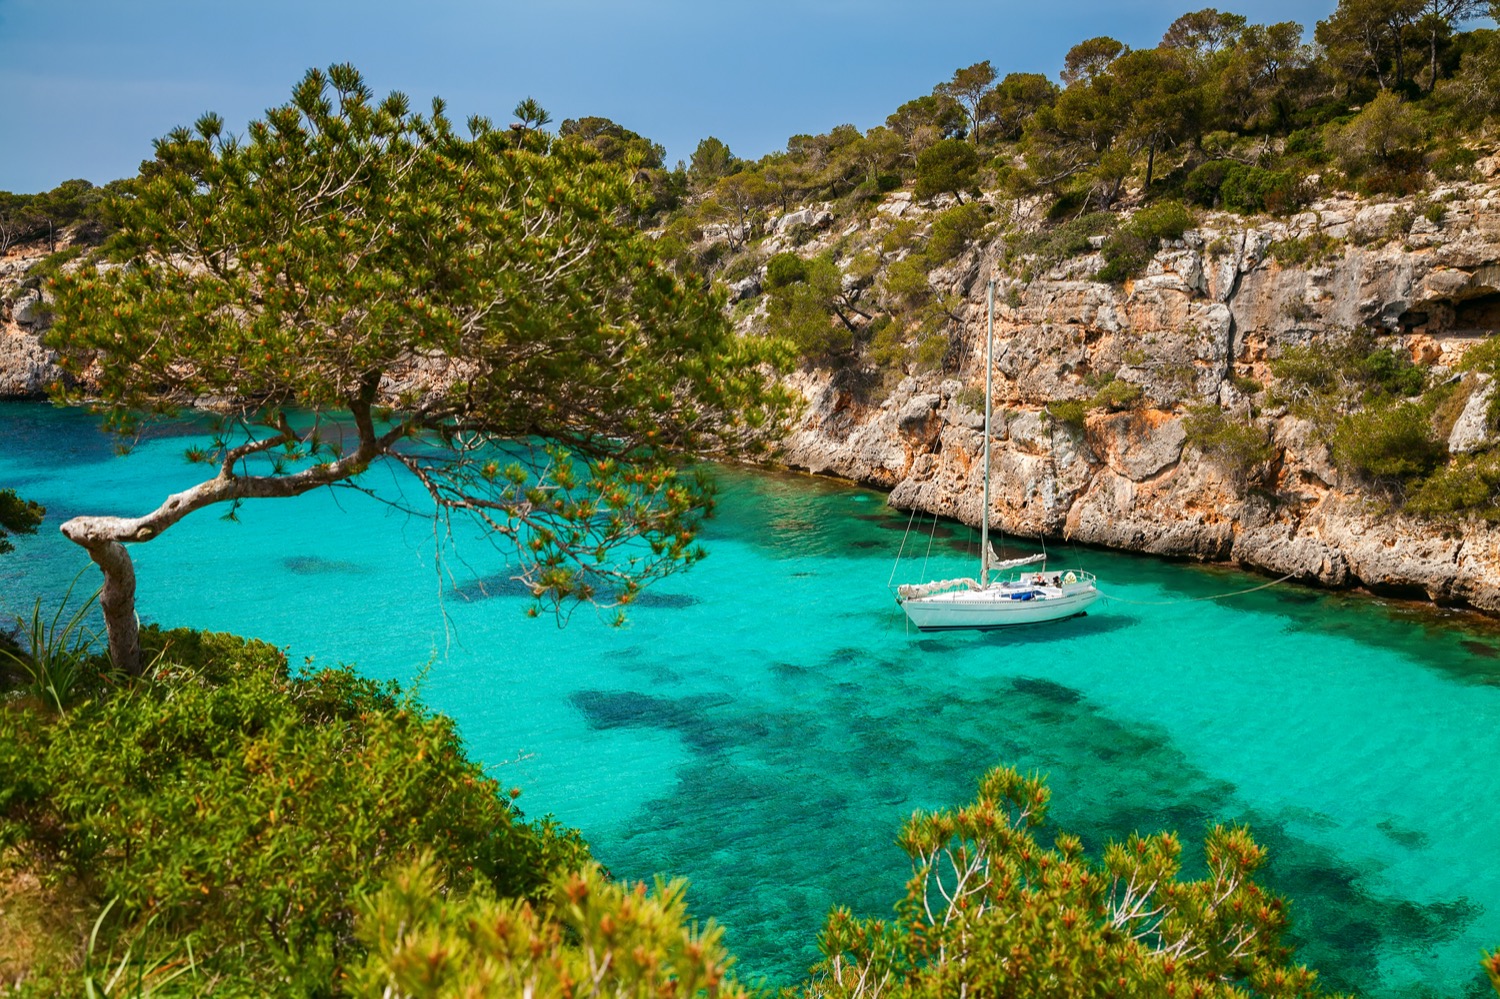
(1150, 164)
(1432, 83)
(104, 538)
(117, 599)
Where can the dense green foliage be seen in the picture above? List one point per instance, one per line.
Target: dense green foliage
(1130, 248)
(1237, 445)
(1116, 394)
(1360, 395)
(807, 305)
(229, 807)
(949, 166)
(618, 938)
(17, 516)
(953, 231)
(89, 213)
(1469, 484)
(347, 241)
(1390, 444)
(1327, 379)
(990, 911)
(1244, 188)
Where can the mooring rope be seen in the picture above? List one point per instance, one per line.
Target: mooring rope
(1190, 600)
(895, 568)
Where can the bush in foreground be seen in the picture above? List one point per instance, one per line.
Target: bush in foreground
(989, 911)
(233, 812)
(226, 828)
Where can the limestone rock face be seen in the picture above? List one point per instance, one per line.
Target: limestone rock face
(1471, 430)
(1198, 328)
(26, 367)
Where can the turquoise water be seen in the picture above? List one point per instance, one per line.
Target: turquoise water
(764, 722)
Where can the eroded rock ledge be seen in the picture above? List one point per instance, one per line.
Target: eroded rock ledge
(1210, 312)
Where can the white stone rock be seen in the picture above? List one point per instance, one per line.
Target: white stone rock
(1471, 430)
(744, 288)
(25, 310)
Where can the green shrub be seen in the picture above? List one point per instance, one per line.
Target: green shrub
(887, 343)
(953, 230)
(1456, 163)
(805, 311)
(245, 810)
(17, 516)
(784, 269)
(905, 283)
(1067, 206)
(618, 938)
(933, 342)
(899, 236)
(1298, 251)
(1402, 176)
(990, 911)
(948, 166)
(1307, 144)
(1469, 485)
(1238, 446)
(51, 265)
(1130, 249)
(1391, 443)
(1204, 183)
(1246, 384)
(1393, 372)
(740, 268)
(1222, 246)
(1069, 412)
(971, 396)
(1118, 394)
(1049, 247)
(1248, 190)
(1319, 380)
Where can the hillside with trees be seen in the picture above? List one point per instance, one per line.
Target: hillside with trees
(1203, 256)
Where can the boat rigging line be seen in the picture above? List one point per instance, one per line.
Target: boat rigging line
(1191, 600)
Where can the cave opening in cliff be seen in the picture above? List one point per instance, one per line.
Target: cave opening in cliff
(1480, 314)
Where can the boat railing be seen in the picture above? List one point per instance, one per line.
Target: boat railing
(1053, 577)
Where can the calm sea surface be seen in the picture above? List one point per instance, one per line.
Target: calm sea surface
(765, 721)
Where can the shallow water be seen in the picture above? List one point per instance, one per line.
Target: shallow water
(765, 721)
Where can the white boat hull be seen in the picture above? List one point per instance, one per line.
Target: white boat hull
(1000, 606)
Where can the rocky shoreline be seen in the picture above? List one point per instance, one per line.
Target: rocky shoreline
(1203, 322)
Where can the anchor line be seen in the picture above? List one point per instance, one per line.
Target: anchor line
(895, 568)
(1190, 600)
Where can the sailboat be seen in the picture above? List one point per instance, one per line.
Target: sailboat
(1025, 597)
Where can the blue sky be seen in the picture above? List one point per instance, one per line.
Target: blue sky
(85, 85)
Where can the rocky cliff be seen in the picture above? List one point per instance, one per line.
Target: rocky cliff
(1199, 327)
(26, 367)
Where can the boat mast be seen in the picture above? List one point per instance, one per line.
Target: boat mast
(989, 403)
